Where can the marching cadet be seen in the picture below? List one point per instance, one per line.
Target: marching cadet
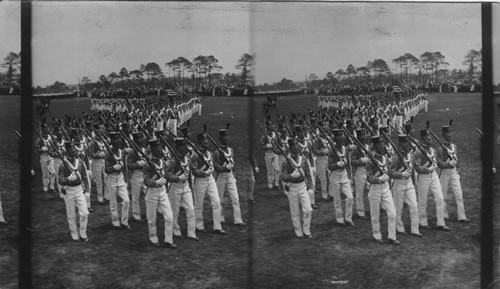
(297, 182)
(58, 142)
(320, 148)
(282, 141)
(82, 150)
(449, 178)
(359, 161)
(305, 150)
(156, 196)
(98, 153)
(177, 174)
(135, 165)
(204, 183)
(339, 181)
(73, 176)
(428, 180)
(379, 193)
(224, 166)
(271, 159)
(46, 161)
(115, 182)
(403, 190)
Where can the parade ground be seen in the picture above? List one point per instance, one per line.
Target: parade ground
(266, 254)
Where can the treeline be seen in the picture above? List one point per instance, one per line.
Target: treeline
(10, 72)
(430, 68)
(200, 73)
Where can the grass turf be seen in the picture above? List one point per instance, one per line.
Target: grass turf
(266, 255)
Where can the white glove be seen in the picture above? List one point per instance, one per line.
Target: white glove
(229, 166)
(494, 170)
(44, 149)
(432, 168)
(325, 151)
(352, 147)
(72, 177)
(269, 146)
(365, 160)
(128, 150)
(256, 170)
(406, 174)
(383, 178)
(117, 167)
(209, 172)
(161, 182)
(183, 177)
(340, 164)
(141, 163)
(453, 163)
(102, 154)
(33, 172)
(295, 174)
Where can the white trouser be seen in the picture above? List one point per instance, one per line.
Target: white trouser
(404, 192)
(136, 184)
(180, 195)
(98, 177)
(201, 187)
(341, 185)
(425, 183)
(48, 172)
(272, 168)
(450, 179)
(75, 198)
(322, 171)
(360, 185)
(228, 181)
(116, 186)
(312, 172)
(380, 195)
(57, 162)
(298, 196)
(158, 198)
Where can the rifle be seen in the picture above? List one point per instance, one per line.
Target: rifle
(396, 150)
(53, 147)
(412, 139)
(277, 145)
(171, 149)
(363, 148)
(137, 149)
(445, 150)
(221, 152)
(193, 146)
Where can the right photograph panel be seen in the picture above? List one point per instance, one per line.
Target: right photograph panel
(366, 129)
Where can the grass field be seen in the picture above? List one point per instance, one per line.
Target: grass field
(266, 254)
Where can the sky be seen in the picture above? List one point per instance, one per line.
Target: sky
(72, 40)
(290, 40)
(10, 28)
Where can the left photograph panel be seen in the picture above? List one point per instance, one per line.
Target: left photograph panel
(10, 103)
(141, 153)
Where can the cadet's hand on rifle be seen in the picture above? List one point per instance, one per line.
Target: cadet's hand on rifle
(229, 166)
(453, 163)
(365, 160)
(183, 177)
(117, 167)
(45, 148)
(102, 154)
(406, 174)
(325, 151)
(256, 170)
(269, 146)
(141, 163)
(209, 172)
(352, 147)
(72, 177)
(383, 178)
(161, 181)
(432, 168)
(340, 164)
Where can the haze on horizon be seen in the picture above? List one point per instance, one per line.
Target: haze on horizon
(290, 40)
